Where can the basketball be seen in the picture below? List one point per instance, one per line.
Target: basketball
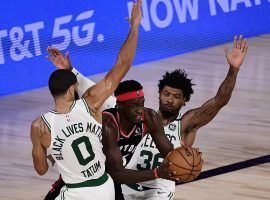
(186, 162)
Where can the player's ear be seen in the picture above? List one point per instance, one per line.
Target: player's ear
(185, 100)
(71, 89)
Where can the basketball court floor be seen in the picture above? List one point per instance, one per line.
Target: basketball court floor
(235, 145)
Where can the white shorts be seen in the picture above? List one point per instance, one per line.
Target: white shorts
(149, 194)
(102, 192)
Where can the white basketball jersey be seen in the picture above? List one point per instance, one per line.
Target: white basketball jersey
(76, 143)
(147, 156)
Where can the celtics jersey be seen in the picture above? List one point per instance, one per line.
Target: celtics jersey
(147, 156)
(127, 142)
(76, 143)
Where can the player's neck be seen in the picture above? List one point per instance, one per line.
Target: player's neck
(125, 125)
(167, 118)
(63, 105)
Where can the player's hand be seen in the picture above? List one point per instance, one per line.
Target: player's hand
(164, 172)
(57, 58)
(136, 14)
(236, 57)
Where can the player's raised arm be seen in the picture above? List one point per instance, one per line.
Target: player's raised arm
(97, 94)
(196, 118)
(63, 62)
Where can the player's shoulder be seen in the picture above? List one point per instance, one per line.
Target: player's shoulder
(37, 122)
(108, 118)
(36, 126)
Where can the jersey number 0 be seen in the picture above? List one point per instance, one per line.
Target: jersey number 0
(75, 146)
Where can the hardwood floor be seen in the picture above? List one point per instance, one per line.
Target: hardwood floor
(239, 132)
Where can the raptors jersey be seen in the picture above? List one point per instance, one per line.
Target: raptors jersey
(76, 143)
(127, 142)
(147, 156)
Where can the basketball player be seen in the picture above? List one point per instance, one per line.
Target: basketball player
(114, 147)
(71, 133)
(175, 90)
(123, 128)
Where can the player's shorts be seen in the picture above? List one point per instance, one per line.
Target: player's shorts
(55, 190)
(139, 192)
(99, 189)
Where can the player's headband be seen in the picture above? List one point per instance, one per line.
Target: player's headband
(130, 95)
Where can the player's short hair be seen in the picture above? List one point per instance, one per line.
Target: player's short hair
(60, 80)
(127, 86)
(177, 79)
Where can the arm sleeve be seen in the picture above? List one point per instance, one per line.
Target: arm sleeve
(85, 83)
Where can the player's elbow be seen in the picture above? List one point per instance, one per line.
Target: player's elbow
(124, 60)
(222, 100)
(41, 173)
(41, 170)
(40, 167)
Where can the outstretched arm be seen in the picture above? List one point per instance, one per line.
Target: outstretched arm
(196, 118)
(97, 94)
(63, 62)
(114, 162)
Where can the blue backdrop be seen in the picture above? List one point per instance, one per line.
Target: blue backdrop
(94, 30)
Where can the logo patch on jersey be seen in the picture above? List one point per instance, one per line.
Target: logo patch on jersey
(138, 131)
(172, 127)
(68, 118)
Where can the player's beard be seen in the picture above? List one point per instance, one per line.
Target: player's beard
(166, 112)
(76, 95)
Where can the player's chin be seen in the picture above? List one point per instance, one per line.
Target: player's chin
(168, 110)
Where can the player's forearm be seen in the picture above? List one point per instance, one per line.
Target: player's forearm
(164, 147)
(127, 52)
(226, 88)
(124, 60)
(40, 163)
(127, 176)
(189, 138)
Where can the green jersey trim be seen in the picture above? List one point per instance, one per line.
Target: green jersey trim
(70, 109)
(179, 130)
(86, 106)
(46, 122)
(90, 183)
